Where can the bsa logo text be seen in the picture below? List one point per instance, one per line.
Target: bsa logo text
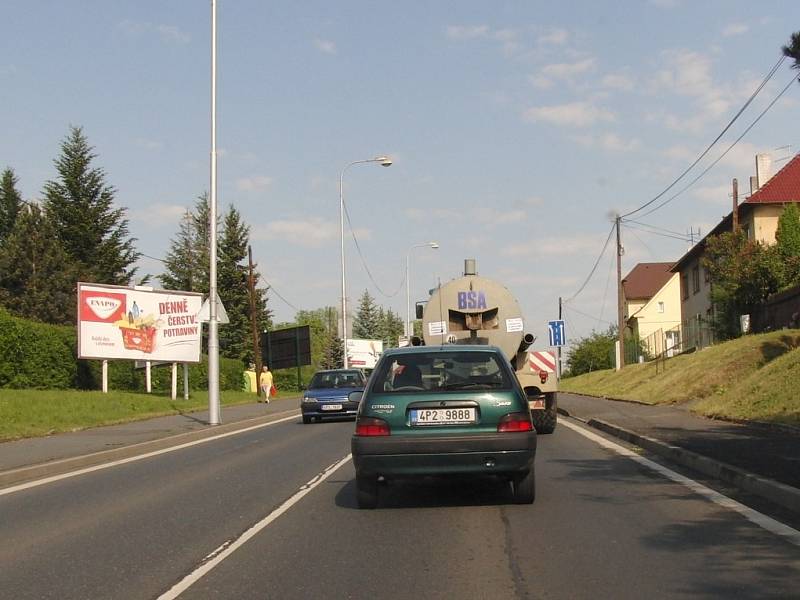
(471, 299)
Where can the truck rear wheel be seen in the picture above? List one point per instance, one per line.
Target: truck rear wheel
(545, 421)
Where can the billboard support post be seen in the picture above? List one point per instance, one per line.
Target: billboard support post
(105, 376)
(185, 381)
(148, 378)
(174, 395)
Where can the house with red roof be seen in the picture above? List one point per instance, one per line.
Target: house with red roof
(652, 306)
(758, 218)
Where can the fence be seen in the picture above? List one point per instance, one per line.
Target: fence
(778, 311)
(692, 334)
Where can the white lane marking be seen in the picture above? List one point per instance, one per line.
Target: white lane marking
(763, 521)
(229, 547)
(123, 461)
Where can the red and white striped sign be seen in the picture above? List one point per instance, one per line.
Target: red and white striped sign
(542, 361)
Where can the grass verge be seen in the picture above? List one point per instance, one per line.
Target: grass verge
(756, 377)
(32, 413)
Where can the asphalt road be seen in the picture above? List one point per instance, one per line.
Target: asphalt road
(602, 526)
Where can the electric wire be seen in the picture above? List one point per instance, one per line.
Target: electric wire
(721, 156)
(270, 288)
(573, 309)
(682, 238)
(712, 144)
(364, 262)
(594, 268)
(656, 227)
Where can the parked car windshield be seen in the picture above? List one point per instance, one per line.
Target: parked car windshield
(336, 379)
(441, 371)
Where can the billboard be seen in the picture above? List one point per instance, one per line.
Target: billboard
(124, 323)
(285, 348)
(364, 354)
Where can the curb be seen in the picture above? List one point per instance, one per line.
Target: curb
(774, 491)
(65, 465)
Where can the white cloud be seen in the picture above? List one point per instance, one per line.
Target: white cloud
(574, 114)
(556, 37)
(256, 183)
(168, 33)
(325, 46)
(609, 141)
(618, 81)
(568, 70)
(158, 214)
(717, 194)
(311, 233)
(735, 29)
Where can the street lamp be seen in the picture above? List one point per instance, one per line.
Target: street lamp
(384, 161)
(433, 245)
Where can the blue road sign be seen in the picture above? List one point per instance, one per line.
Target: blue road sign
(558, 335)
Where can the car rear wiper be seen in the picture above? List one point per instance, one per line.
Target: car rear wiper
(466, 385)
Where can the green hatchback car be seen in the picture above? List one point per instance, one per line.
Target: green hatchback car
(443, 410)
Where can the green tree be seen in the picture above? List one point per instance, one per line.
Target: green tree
(367, 325)
(36, 277)
(182, 262)
(788, 238)
(232, 286)
(10, 203)
(391, 327)
(592, 353)
(81, 205)
(792, 49)
(743, 272)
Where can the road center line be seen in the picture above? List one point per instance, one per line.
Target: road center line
(229, 547)
(762, 520)
(123, 461)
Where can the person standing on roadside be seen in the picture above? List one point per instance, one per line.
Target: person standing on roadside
(265, 381)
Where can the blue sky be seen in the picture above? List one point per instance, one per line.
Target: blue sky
(516, 129)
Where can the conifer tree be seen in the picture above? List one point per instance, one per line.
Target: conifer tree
(92, 230)
(36, 279)
(10, 203)
(187, 262)
(366, 325)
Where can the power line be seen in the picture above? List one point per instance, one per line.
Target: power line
(711, 145)
(656, 227)
(364, 262)
(274, 291)
(721, 156)
(682, 238)
(594, 268)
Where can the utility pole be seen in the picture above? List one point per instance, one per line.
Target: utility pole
(735, 212)
(620, 297)
(559, 348)
(251, 288)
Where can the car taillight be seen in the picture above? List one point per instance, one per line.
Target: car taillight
(370, 426)
(515, 422)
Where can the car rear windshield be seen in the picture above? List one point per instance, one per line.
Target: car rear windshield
(439, 371)
(337, 379)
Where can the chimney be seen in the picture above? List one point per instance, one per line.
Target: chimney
(763, 169)
(753, 185)
(470, 266)
(735, 205)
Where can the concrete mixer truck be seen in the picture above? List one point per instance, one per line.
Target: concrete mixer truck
(477, 310)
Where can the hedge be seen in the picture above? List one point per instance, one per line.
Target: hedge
(41, 356)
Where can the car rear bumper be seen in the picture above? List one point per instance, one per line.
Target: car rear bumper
(506, 453)
(316, 409)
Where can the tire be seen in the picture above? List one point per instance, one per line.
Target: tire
(306, 420)
(367, 491)
(545, 421)
(525, 488)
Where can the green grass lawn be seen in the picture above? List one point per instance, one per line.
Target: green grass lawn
(31, 413)
(755, 377)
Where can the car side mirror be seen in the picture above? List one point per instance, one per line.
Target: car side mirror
(355, 396)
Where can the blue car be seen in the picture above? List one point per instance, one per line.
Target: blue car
(328, 394)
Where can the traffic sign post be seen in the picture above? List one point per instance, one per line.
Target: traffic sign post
(558, 335)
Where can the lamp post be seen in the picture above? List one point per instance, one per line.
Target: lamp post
(384, 161)
(433, 245)
(213, 324)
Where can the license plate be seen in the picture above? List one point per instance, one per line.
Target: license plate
(442, 416)
(536, 404)
(331, 407)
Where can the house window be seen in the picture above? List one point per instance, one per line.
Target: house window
(661, 307)
(685, 286)
(696, 279)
